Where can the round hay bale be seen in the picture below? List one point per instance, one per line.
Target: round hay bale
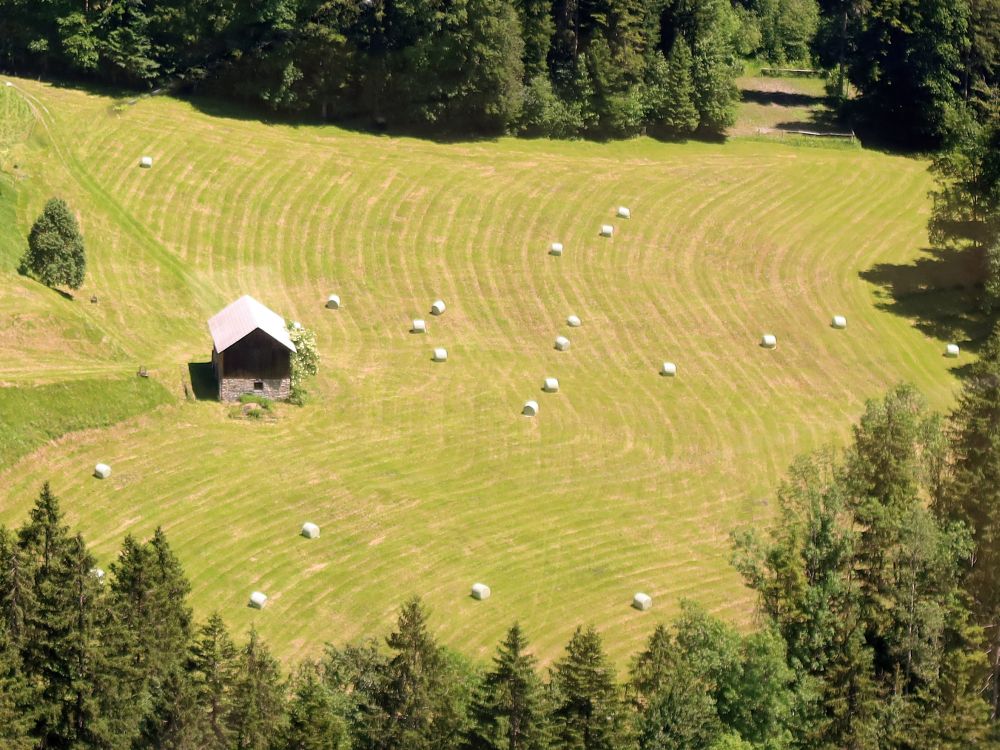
(333, 302)
(146, 162)
(258, 600)
(607, 230)
(440, 354)
(624, 213)
(530, 409)
(418, 326)
(669, 369)
(551, 385)
(310, 530)
(555, 248)
(642, 602)
(573, 321)
(951, 350)
(102, 471)
(438, 307)
(562, 343)
(481, 591)
(839, 321)
(768, 341)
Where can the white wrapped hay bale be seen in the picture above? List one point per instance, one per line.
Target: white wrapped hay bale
(480, 591)
(555, 248)
(102, 471)
(624, 213)
(573, 321)
(551, 385)
(839, 321)
(8, 83)
(530, 409)
(333, 302)
(419, 326)
(310, 530)
(768, 341)
(146, 162)
(258, 600)
(562, 343)
(438, 307)
(607, 230)
(440, 355)
(951, 350)
(642, 601)
(669, 369)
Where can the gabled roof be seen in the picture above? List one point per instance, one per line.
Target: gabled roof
(242, 317)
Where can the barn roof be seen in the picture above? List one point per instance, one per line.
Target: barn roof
(243, 317)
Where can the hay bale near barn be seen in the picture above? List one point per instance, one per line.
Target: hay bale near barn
(642, 602)
(251, 351)
(258, 600)
(951, 350)
(102, 471)
(310, 530)
(530, 409)
(333, 302)
(438, 307)
(481, 591)
(562, 343)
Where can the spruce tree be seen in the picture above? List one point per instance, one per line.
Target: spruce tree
(508, 711)
(670, 91)
(256, 710)
(589, 713)
(55, 253)
(16, 704)
(973, 497)
(17, 595)
(212, 667)
(316, 719)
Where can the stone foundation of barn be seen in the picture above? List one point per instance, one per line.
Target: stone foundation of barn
(276, 389)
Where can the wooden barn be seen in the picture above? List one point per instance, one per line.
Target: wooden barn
(252, 351)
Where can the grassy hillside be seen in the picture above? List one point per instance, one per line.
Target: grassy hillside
(424, 477)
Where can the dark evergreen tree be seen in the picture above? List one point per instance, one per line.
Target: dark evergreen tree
(212, 667)
(316, 714)
(508, 711)
(257, 709)
(588, 711)
(55, 248)
(16, 700)
(670, 91)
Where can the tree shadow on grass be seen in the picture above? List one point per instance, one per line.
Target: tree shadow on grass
(781, 98)
(203, 384)
(940, 292)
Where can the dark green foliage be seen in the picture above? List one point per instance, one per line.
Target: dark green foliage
(670, 91)
(256, 711)
(588, 711)
(316, 714)
(508, 712)
(212, 666)
(787, 29)
(15, 696)
(55, 248)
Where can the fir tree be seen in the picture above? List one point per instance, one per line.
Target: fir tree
(16, 703)
(212, 666)
(588, 713)
(508, 713)
(256, 711)
(55, 248)
(670, 91)
(316, 719)
(17, 595)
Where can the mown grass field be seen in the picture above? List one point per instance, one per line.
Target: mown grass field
(424, 477)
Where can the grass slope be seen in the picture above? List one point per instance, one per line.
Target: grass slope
(424, 477)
